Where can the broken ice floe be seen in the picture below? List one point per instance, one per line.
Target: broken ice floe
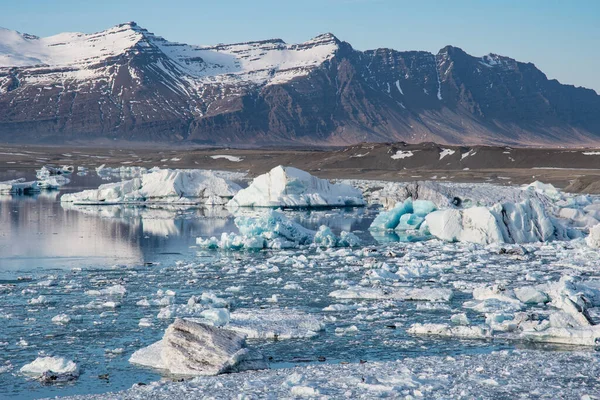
(568, 320)
(273, 230)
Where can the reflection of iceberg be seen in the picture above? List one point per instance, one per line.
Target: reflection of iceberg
(398, 236)
(43, 234)
(163, 220)
(346, 219)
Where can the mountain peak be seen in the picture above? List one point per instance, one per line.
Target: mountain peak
(451, 51)
(327, 37)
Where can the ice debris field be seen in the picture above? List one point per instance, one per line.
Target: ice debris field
(300, 287)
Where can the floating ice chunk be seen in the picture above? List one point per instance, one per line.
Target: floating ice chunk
(497, 292)
(502, 322)
(348, 239)
(476, 225)
(347, 330)
(274, 230)
(584, 336)
(19, 186)
(304, 391)
(387, 220)
(275, 324)
(217, 316)
(41, 299)
(291, 187)
(61, 319)
(475, 332)
(161, 186)
(530, 295)
(593, 239)
(407, 215)
(460, 319)
(115, 290)
(416, 294)
(53, 182)
(274, 224)
(51, 369)
(522, 222)
(191, 348)
(325, 237)
(409, 222)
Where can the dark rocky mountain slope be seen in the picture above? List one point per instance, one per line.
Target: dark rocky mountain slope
(126, 83)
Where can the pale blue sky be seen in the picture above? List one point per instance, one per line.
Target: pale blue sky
(561, 37)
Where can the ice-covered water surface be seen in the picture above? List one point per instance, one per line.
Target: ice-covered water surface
(98, 283)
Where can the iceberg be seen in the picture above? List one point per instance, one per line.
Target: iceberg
(51, 369)
(293, 188)
(160, 186)
(192, 348)
(405, 216)
(53, 182)
(593, 239)
(273, 230)
(19, 186)
(523, 222)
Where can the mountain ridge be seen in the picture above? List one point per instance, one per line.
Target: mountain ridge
(127, 83)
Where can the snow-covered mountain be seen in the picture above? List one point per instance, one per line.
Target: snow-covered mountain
(127, 83)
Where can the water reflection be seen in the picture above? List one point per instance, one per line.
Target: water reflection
(40, 232)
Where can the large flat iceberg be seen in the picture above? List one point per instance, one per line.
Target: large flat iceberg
(161, 186)
(291, 187)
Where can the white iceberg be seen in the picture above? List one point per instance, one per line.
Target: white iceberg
(161, 186)
(53, 182)
(593, 239)
(291, 187)
(19, 186)
(51, 369)
(522, 222)
(191, 348)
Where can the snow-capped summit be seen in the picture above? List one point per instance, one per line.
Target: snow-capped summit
(258, 62)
